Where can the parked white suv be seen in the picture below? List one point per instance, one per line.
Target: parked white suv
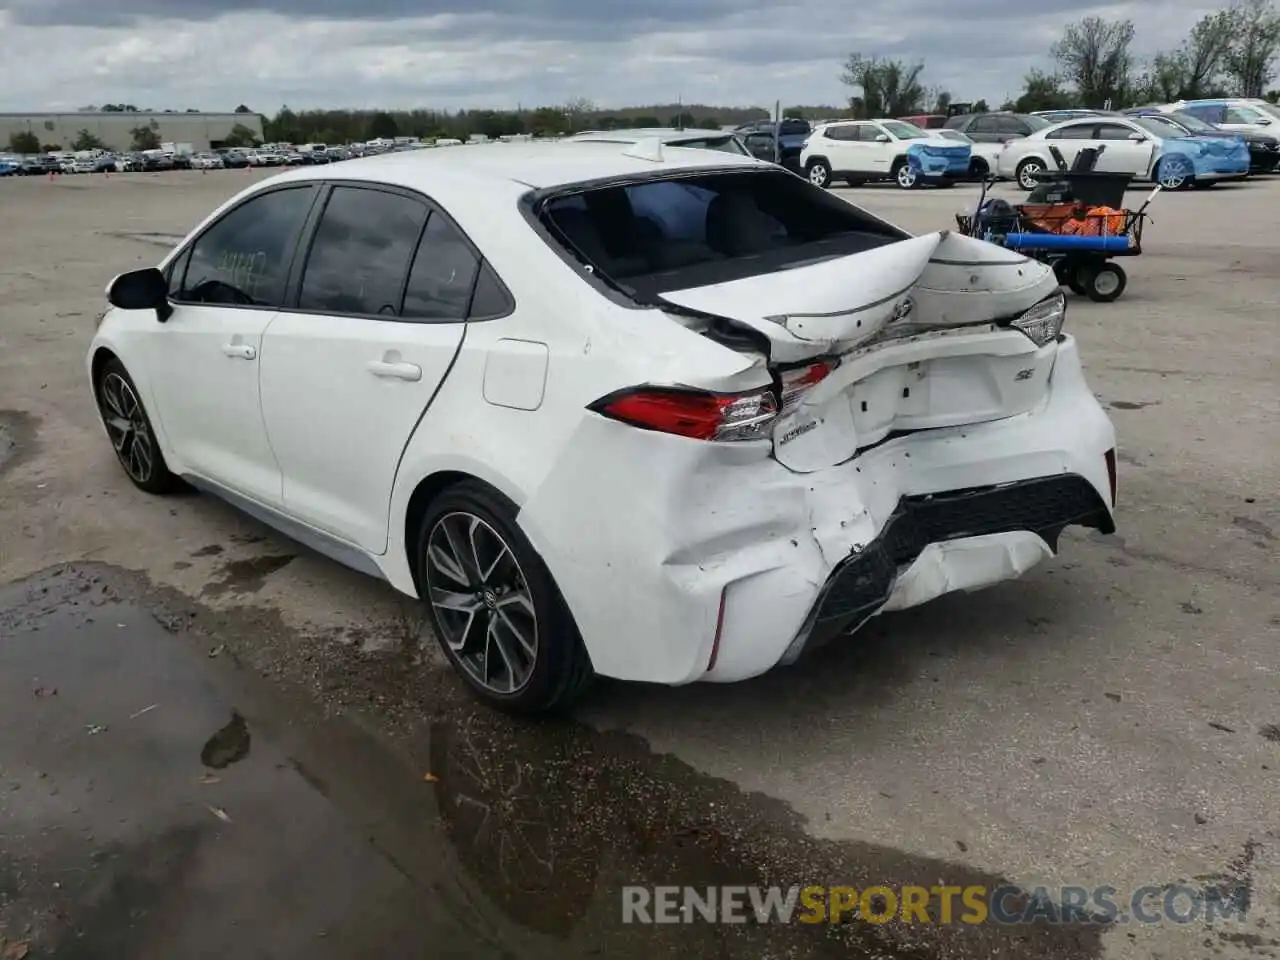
(666, 415)
(859, 151)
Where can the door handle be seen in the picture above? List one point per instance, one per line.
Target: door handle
(239, 351)
(394, 370)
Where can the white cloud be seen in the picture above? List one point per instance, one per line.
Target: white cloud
(55, 57)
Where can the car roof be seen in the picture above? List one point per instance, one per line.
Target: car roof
(529, 164)
(634, 134)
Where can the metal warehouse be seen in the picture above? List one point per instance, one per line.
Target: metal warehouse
(201, 130)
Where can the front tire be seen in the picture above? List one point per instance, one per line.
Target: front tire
(979, 170)
(497, 613)
(1027, 172)
(130, 431)
(819, 173)
(1174, 173)
(904, 176)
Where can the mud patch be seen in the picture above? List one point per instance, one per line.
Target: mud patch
(17, 438)
(1132, 404)
(246, 576)
(1255, 527)
(523, 835)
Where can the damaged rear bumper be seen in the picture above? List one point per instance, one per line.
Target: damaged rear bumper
(974, 538)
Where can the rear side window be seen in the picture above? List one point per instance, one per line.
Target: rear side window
(244, 258)
(1077, 131)
(443, 274)
(670, 233)
(361, 253)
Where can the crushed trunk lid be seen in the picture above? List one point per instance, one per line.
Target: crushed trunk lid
(909, 328)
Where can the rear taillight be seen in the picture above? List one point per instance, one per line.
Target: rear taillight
(794, 383)
(698, 414)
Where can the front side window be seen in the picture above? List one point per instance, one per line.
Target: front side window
(1208, 112)
(1243, 115)
(244, 258)
(361, 253)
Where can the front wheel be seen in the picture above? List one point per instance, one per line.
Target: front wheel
(497, 613)
(1174, 173)
(819, 173)
(1027, 172)
(130, 431)
(979, 170)
(904, 175)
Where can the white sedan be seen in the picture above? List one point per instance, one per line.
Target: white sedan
(659, 414)
(1147, 148)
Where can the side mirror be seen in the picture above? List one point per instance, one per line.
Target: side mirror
(882, 138)
(1138, 137)
(144, 289)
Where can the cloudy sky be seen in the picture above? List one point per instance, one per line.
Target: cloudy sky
(215, 54)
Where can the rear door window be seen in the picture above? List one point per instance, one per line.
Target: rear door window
(443, 274)
(1077, 131)
(361, 252)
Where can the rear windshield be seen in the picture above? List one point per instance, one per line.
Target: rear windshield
(726, 144)
(664, 234)
(790, 128)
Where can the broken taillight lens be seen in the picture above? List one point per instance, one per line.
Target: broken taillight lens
(1043, 322)
(796, 382)
(697, 414)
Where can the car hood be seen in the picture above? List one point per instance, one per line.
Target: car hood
(930, 282)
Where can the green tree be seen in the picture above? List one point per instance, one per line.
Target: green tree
(981, 107)
(240, 136)
(24, 142)
(710, 123)
(144, 138)
(1095, 58)
(887, 88)
(51, 148)
(243, 109)
(1250, 61)
(383, 126)
(87, 141)
(1042, 91)
(549, 122)
(683, 119)
(941, 102)
(646, 120)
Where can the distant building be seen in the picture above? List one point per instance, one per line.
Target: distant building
(201, 130)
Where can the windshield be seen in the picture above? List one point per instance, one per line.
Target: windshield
(1159, 126)
(671, 233)
(1270, 109)
(1037, 123)
(905, 131)
(1193, 123)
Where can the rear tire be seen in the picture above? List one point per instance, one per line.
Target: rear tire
(979, 170)
(497, 613)
(1105, 282)
(130, 432)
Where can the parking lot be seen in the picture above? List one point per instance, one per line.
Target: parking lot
(1110, 719)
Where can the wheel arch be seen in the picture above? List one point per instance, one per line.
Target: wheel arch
(815, 158)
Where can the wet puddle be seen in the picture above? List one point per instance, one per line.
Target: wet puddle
(159, 797)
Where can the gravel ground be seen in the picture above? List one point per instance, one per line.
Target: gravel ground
(1111, 719)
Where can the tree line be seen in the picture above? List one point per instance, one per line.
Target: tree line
(1231, 52)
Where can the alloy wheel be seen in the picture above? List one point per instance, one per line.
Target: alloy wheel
(818, 175)
(906, 176)
(1027, 175)
(482, 602)
(1172, 175)
(127, 427)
